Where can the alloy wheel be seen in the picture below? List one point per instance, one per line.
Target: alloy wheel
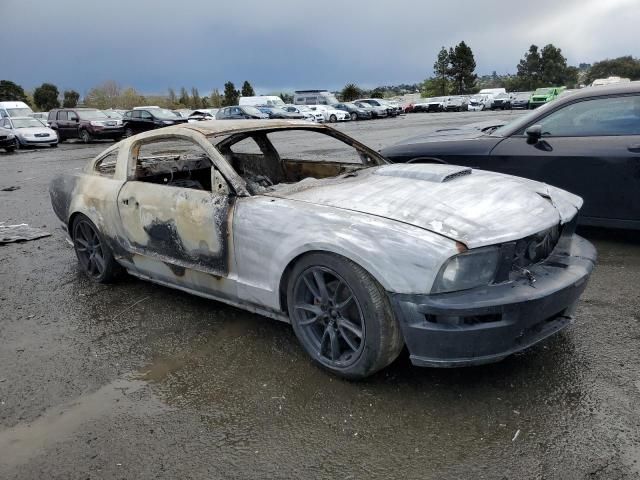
(89, 248)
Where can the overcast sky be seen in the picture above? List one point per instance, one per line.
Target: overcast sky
(292, 44)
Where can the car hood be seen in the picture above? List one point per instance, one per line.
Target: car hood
(35, 130)
(474, 207)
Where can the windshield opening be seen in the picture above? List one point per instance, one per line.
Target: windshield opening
(27, 123)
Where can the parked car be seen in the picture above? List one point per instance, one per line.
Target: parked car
(479, 102)
(148, 118)
(240, 112)
(457, 103)
(302, 223)
(44, 116)
(436, 104)
(30, 131)
(354, 111)
(587, 143)
(331, 114)
(314, 97)
(281, 114)
(262, 100)
(392, 110)
(15, 109)
(544, 95)
(86, 124)
(183, 112)
(309, 114)
(203, 114)
(7, 139)
(520, 100)
(376, 111)
(422, 105)
(502, 101)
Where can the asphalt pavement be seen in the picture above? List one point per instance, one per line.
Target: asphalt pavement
(137, 381)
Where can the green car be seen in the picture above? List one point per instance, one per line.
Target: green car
(544, 95)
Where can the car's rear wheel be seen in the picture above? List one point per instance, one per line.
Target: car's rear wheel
(354, 116)
(85, 136)
(342, 316)
(94, 255)
(333, 119)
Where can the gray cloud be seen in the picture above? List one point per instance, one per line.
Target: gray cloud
(286, 44)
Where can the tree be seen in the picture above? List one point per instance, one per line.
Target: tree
(46, 97)
(11, 92)
(230, 95)
(172, 97)
(195, 98)
(130, 98)
(625, 67)
(553, 66)
(462, 68)
(216, 98)
(350, 92)
(70, 99)
(440, 70)
(529, 70)
(103, 96)
(377, 92)
(184, 99)
(247, 89)
(286, 97)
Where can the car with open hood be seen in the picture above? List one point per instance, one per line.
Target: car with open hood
(30, 132)
(587, 143)
(302, 223)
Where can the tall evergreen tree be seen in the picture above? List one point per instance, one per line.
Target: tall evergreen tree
(12, 92)
(230, 94)
(247, 89)
(46, 97)
(350, 92)
(462, 68)
(553, 66)
(70, 98)
(529, 69)
(440, 70)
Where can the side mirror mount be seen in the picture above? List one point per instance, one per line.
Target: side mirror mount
(534, 134)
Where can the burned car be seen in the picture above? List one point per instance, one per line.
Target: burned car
(301, 223)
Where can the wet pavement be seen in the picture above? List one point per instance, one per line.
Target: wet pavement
(138, 381)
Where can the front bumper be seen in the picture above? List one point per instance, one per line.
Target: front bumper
(50, 140)
(487, 324)
(107, 132)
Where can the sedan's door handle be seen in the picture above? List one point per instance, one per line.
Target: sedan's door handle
(634, 148)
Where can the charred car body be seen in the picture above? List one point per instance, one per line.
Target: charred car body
(301, 223)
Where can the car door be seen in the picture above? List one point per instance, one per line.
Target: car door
(590, 147)
(62, 121)
(145, 121)
(72, 129)
(175, 210)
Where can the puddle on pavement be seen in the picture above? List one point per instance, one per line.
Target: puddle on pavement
(122, 397)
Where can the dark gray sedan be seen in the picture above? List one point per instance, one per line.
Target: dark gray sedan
(587, 143)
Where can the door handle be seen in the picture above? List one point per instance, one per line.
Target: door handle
(125, 201)
(634, 148)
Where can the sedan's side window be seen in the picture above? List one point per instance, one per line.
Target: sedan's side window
(145, 115)
(174, 162)
(596, 117)
(106, 166)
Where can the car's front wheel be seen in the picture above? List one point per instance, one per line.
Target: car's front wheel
(342, 316)
(85, 136)
(94, 255)
(354, 116)
(128, 132)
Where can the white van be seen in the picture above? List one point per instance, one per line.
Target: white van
(314, 97)
(262, 100)
(15, 109)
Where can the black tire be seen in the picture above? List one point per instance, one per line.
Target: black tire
(94, 255)
(128, 132)
(54, 145)
(333, 119)
(354, 116)
(85, 136)
(9, 149)
(352, 302)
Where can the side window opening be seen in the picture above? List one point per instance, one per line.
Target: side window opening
(269, 160)
(106, 166)
(175, 163)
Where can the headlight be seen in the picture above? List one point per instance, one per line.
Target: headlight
(470, 269)
(97, 123)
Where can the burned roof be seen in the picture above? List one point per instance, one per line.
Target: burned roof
(227, 127)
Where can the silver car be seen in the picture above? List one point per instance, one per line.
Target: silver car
(30, 131)
(301, 223)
